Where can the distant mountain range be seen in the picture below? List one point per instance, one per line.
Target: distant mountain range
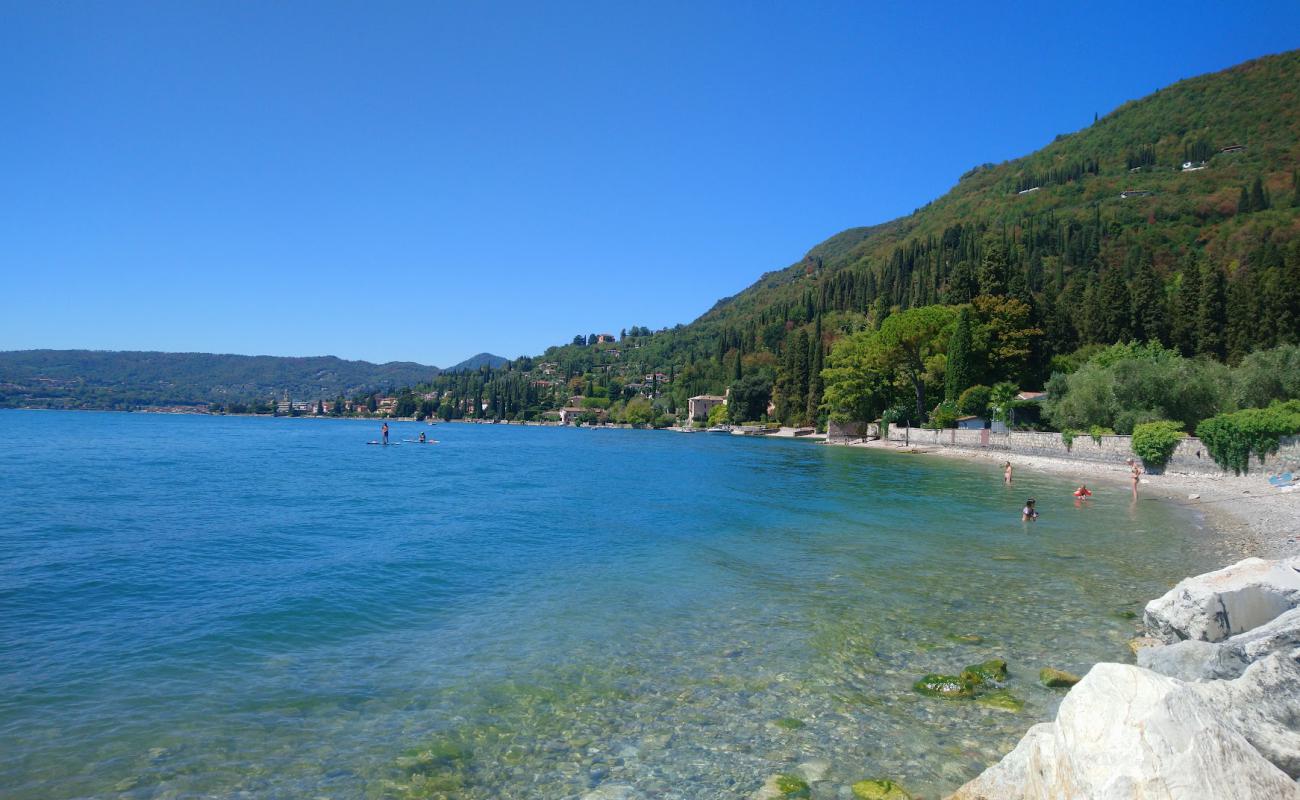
(133, 379)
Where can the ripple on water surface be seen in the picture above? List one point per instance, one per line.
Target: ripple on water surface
(208, 606)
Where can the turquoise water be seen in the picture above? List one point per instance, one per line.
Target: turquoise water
(268, 607)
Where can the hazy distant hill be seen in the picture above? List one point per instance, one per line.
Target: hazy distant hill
(127, 379)
(474, 362)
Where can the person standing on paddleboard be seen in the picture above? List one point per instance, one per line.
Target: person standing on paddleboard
(384, 430)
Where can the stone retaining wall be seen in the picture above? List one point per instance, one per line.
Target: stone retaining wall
(1189, 458)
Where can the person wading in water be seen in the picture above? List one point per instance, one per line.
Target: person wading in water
(384, 430)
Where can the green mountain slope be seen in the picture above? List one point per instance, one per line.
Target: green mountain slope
(129, 379)
(1256, 104)
(1102, 235)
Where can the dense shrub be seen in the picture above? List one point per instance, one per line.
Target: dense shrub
(1231, 439)
(975, 401)
(1126, 385)
(943, 416)
(1267, 375)
(1154, 442)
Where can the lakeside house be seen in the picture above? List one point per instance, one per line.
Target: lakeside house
(972, 423)
(1126, 194)
(605, 338)
(700, 405)
(1029, 190)
(570, 414)
(1233, 148)
(1192, 166)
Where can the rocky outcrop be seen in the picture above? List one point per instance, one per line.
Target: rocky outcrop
(1194, 660)
(1215, 715)
(1220, 604)
(1128, 732)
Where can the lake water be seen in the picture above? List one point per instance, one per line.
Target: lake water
(270, 608)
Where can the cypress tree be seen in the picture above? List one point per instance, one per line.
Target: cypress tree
(799, 400)
(993, 267)
(1242, 315)
(1189, 300)
(960, 374)
(1150, 319)
(1243, 202)
(1114, 307)
(1258, 199)
(1295, 188)
(1210, 312)
(815, 373)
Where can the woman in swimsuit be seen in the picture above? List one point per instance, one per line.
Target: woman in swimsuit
(1136, 472)
(1006, 474)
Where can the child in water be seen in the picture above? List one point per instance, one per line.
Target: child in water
(1082, 491)
(1029, 513)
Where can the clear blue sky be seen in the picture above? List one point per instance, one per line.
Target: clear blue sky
(423, 181)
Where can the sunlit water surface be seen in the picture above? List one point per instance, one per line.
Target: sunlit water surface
(235, 606)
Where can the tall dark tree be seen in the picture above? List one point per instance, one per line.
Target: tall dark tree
(1114, 306)
(1150, 315)
(1258, 196)
(993, 267)
(1244, 325)
(816, 364)
(1183, 330)
(1243, 202)
(1210, 312)
(964, 284)
(961, 370)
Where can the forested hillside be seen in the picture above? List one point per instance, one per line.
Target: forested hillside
(131, 379)
(1175, 219)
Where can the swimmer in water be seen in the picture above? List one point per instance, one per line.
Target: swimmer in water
(1029, 513)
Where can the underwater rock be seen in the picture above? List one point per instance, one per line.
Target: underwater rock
(814, 770)
(1226, 602)
(612, 791)
(966, 638)
(1001, 700)
(953, 686)
(992, 671)
(788, 723)
(1142, 643)
(879, 790)
(1057, 678)
(783, 787)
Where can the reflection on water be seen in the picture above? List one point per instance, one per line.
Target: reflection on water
(216, 606)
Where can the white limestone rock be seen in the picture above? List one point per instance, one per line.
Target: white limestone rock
(1220, 604)
(1126, 732)
(1263, 705)
(1194, 660)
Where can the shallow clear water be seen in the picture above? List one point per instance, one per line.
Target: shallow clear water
(226, 606)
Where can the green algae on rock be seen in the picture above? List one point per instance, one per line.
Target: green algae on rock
(784, 787)
(879, 790)
(1056, 678)
(966, 638)
(952, 686)
(788, 723)
(992, 671)
(1002, 700)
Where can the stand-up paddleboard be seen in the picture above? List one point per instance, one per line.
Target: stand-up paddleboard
(390, 444)
(417, 441)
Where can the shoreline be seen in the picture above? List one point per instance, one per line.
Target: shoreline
(1243, 510)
